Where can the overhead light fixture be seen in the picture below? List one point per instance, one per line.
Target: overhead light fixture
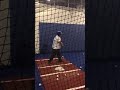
(48, 0)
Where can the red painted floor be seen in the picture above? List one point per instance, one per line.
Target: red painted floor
(71, 78)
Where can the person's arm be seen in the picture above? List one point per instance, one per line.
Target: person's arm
(59, 41)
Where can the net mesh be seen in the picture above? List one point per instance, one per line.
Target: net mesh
(11, 78)
(4, 33)
(51, 16)
(57, 12)
(67, 16)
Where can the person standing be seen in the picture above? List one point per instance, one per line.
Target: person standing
(56, 47)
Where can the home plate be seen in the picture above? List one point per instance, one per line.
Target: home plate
(59, 68)
(62, 76)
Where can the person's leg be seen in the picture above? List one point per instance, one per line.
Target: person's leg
(59, 55)
(52, 55)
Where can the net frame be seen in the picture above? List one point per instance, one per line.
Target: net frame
(5, 59)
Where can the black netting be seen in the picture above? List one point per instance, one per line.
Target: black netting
(16, 45)
(16, 33)
(67, 16)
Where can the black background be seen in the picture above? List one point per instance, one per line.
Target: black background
(22, 14)
(102, 44)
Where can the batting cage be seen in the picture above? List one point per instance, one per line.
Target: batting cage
(67, 17)
(16, 48)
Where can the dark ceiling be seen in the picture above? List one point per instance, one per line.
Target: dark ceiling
(71, 3)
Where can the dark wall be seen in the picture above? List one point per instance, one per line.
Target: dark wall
(22, 32)
(73, 36)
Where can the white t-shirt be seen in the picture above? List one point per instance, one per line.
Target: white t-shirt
(56, 42)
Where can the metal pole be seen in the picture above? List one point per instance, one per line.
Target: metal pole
(68, 3)
(54, 2)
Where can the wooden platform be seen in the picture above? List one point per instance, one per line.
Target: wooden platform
(67, 77)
